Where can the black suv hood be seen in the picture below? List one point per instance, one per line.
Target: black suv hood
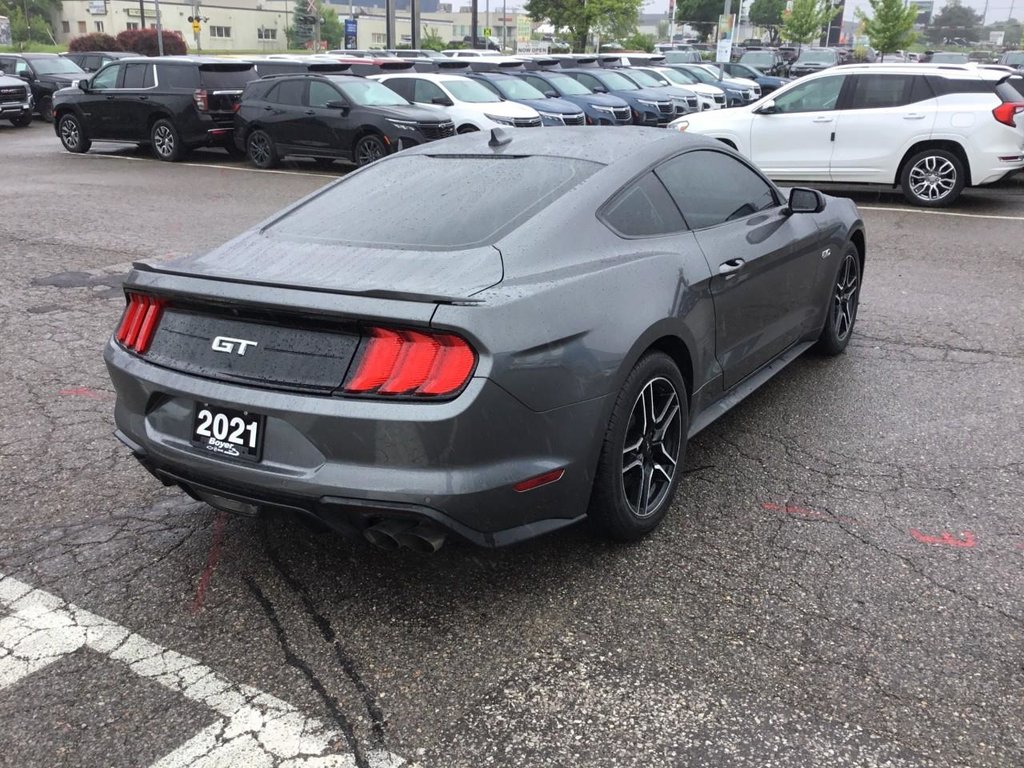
(410, 112)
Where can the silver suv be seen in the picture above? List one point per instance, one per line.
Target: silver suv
(15, 100)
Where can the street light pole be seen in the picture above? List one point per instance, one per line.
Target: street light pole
(159, 29)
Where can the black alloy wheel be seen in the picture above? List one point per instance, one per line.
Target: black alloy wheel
(261, 150)
(165, 141)
(368, 149)
(71, 135)
(843, 304)
(641, 459)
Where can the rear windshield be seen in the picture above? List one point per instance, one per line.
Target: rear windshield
(757, 57)
(949, 58)
(225, 79)
(1014, 58)
(818, 57)
(473, 201)
(681, 57)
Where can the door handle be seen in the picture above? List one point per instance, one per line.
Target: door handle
(267, 108)
(823, 119)
(914, 116)
(310, 112)
(730, 267)
(143, 98)
(110, 98)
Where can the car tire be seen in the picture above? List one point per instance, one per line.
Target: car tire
(844, 299)
(72, 136)
(233, 151)
(22, 121)
(933, 178)
(166, 141)
(46, 110)
(368, 149)
(643, 449)
(261, 150)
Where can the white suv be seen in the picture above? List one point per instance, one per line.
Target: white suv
(470, 105)
(931, 130)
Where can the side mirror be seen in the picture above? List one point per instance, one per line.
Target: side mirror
(551, 94)
(83, 84)
(803, 200)
(600, 89)
(767, 108)
(337, 105)
(26, 75)
(442, 101)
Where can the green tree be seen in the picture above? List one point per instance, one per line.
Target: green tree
(805, 21)
(332, 29)
(955, 20)
(768, 14)
(639, 42)
(430, 40)
(33, 27)
(580, 17)
(702, 15)
(890, 27)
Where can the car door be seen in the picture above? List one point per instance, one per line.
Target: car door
(764, 261)
(284, 115)
(329, 130)
(97, 106)
(132, 103)
(793, 140)
(882, 116)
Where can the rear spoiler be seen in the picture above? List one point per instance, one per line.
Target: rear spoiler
(496, 66)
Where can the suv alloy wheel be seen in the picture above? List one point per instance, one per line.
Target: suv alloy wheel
(933, 178)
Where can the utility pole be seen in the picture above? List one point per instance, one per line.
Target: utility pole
(389, 24)
(159, 29)
(142, 15)
(475, 21)
(414, 20)
(504, 25)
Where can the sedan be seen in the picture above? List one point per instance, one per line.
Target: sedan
(532, 348)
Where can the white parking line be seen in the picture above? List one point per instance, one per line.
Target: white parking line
(254, 729)
(206, 165)
(941, 213)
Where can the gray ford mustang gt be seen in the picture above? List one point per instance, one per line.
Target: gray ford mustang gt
(489, 337)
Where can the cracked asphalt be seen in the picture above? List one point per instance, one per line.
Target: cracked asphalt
(839, 582)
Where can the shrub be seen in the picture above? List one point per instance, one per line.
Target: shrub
(97, 41)
(144, 42)
(639, 42)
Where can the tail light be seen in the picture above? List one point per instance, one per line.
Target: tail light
(202, 100)
(138, 325)
(236, 106)
(1006, 111)
(411, 364)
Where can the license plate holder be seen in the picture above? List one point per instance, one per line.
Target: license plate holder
(228, 432)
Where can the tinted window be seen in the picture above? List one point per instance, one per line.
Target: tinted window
(107, 77)
(225, 79)
(881, 91)
(177, 77)
(403, 86)
(567, 85)
(644, 210)
(291, 93)
(541, 85)
(137, 76)
(383, 207)
(589, 81)
(711, 187)
(425, 92)
(321, 94)
(812, 96)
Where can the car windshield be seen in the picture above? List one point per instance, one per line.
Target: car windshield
(1015, 58)
(679, 57)
(702, 75)
(818, 57)
(383, 206)
(55, 66)
(683, 78)
(613, 81)
(943, 57)
(370, 93)
(757, 57)
(645, 79)
(471, 91)
(568, 86)
(514, 88)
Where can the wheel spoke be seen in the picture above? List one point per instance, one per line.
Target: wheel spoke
(637, 462)
(667, 456)
(634, 447)
(645, 492)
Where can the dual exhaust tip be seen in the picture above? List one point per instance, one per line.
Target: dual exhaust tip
(393, 534)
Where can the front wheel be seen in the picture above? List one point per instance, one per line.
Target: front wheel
(642, 455)
(842, 306)
(933, 178)
(368, 149)
(165, 141)
(71, 134)
(23, 120)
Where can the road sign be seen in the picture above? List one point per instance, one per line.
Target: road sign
(351, 34)
(195, 27)
(487, 31)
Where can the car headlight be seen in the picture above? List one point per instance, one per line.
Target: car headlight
(680, 125)
(405, 125)
(602, 108)
(550, 115)
(647, 103)
(500, 119)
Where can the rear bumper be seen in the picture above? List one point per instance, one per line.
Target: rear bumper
(993, 166)
(351, 463)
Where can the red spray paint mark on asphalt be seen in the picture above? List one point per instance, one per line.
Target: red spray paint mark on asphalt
(92, 394)
(966, 540)
(211, 562)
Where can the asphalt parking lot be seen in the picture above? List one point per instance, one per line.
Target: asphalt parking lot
(839, 583)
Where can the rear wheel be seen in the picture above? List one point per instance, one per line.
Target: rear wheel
(166, 141)
(261, 150)
(368, 149)
(642, 456)
(933, 178)
(22, 120)
(46, 109)
(71, 134)
(842, 306)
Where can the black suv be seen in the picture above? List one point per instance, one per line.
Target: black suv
(330, 117)
(92, 61)
(172, 104)
(45, 73)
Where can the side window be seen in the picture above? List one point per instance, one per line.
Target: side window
(7, 66)
(541, 85)
(814, 96)
(322, 94)
(882, 91)
(644, 209)
(589, 81)
(172, 76)
(21, 67)
(106, 77)
(712, 187)
(137, 75)
(290, 93)
(403, 86)
(425, 92)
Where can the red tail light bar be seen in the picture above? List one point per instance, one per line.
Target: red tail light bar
(138, 324)
(411, 364)
(1007, 111)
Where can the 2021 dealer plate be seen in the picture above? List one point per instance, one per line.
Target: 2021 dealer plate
(227, 432)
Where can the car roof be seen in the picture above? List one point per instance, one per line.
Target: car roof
(955, 71)
(432, 76)
(193, 59)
